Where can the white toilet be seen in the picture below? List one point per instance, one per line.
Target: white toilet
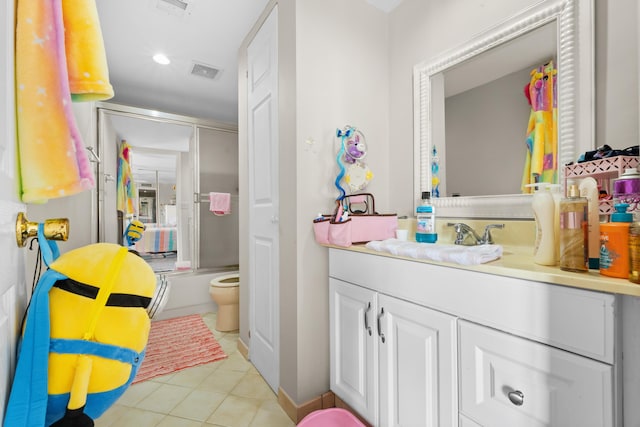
(225, 292)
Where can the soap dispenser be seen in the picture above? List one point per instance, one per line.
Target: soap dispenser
(614, 243)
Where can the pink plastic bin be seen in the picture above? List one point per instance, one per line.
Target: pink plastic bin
(332, 417)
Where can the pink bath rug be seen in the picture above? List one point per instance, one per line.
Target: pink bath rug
(176, 344)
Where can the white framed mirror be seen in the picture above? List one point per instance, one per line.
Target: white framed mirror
(558, 30)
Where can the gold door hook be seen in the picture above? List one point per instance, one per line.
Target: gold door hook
(54, 229)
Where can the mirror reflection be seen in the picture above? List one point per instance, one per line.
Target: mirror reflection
(160, 171)
(486, 114)
(479, 137)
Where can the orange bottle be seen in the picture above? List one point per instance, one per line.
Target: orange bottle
(614, 243)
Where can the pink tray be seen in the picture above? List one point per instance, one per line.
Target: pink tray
(332, 417)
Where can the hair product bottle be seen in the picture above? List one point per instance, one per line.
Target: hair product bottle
(634, 252)
(574, 237)
(589, 188)
(614, 243)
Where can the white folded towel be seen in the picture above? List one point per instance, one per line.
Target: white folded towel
(465, 255)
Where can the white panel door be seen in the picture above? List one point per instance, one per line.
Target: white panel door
(13, 292)
(417, 365)
(262, 60)
(510, 381)
(353, 348)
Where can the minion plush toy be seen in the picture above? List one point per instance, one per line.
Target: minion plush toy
(84, 335)
(133, 232)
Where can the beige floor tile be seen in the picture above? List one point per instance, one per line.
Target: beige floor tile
(270, 414)
(235, 362)
(135, 417)
(111, 415)
(164, 399)
(170, 421)
(221, 381)
(229, 344)
(198, 405)
(253, 386)
(192, 377)
(137, 392)
(235, 412)
(164, 379)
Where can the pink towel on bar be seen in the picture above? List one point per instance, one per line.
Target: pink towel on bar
(220, 203)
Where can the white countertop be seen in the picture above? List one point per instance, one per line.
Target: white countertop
(518, 262)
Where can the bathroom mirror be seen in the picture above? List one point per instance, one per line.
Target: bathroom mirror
(558, 30)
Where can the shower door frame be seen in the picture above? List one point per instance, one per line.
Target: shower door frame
(103, 178)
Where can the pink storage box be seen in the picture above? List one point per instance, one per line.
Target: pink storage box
(332, 417)
(363, 225)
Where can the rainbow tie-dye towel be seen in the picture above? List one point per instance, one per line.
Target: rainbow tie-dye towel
(60, 56)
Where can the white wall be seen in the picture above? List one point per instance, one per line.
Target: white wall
(342, 78)
(333, 71)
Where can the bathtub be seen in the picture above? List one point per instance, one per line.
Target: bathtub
(189, 293)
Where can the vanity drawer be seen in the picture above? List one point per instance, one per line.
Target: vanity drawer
(510, 381)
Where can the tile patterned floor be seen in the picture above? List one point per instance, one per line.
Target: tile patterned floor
(227, 393)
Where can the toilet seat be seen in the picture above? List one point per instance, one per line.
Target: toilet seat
(225, 281)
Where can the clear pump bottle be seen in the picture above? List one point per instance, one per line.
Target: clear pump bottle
(426, 220)
(574, 237)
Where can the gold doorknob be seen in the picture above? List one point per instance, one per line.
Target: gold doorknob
(54, 229)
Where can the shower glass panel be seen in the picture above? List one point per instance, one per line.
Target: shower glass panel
(218, 172)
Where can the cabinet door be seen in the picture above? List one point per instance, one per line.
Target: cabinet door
(510, 381)
(417, 354)
(354, 360)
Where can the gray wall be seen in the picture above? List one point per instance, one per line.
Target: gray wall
(486, 132)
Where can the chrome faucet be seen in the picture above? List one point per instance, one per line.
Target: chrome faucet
(465, 235)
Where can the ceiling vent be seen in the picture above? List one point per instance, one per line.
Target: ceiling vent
(174, 7)
(205, 71)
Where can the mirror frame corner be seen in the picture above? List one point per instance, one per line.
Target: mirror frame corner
(576, 105)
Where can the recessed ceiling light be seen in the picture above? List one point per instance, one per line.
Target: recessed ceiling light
(161, 58)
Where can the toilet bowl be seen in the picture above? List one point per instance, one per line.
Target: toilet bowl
(224, 291)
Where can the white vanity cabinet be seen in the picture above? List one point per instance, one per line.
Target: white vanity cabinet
(510, 381)
(469, 349)
(391, 360)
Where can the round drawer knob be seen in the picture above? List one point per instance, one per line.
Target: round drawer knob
(516, 397)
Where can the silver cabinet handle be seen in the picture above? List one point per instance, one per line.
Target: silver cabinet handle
(275, 219)
(379, 326)
(516, 397)
(366, 318)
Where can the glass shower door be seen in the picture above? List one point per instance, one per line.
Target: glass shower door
(217, 235)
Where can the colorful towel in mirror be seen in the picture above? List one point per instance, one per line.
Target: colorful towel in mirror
(541, 163)
(59, 56)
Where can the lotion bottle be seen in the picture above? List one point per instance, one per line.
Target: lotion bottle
(574, 237)
(544, 252)
(614, 243)
(589, 188)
